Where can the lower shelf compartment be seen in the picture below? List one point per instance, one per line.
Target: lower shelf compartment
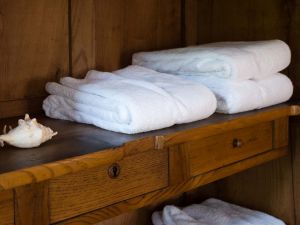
(164, 194)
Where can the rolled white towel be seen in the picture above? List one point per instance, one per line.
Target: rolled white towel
(240, 96)
(127, 105)
(231, 60)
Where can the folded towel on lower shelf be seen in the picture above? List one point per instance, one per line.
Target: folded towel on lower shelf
(130, 103)
(241, 96)
(213, 212)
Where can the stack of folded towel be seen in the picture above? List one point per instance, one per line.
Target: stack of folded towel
(243, 75)
(212, 212)
(131, 100)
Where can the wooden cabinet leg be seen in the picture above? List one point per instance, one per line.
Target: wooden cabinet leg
(31, 204)
(281, 132)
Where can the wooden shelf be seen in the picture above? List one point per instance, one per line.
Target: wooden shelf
(75, 167)
(79, 140)
(75, 139)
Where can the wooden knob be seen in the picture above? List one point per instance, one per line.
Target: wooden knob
(237, 143)
(114, 170)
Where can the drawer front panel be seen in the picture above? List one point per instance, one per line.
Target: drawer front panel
(220, 150)
(72, 195)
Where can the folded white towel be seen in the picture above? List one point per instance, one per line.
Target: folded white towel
(126, 105)
(241, 96)
(137, 109)
(232, 60)
(213, 212)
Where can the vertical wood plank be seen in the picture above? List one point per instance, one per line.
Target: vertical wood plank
(295, 146)
(139, 37)
(82, 36)
(169, 24)
(179, 170)
(31, 205)
(192, 20)
(294, 35)
(34, 50)
(281, 132)
(114, 30)
(294, 69)
(6, 208)
(109, 34)
(234, 20)
(267, 188)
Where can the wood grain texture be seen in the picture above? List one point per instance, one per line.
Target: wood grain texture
(17, 107)
(294, 35)
(82, 36)
(106, 33)
(171, 191)
(34, 50)
(31, 204)
(293, 7)
(192, 20)
(138, 217)
(219, 150)
(87, 146)
(88, 190)
(261, 188)
(267, 188)
(234, 20)
(281, 132)
(179, 167)
(295, 145)
(231, 122)
(295, 110)
(6, 208)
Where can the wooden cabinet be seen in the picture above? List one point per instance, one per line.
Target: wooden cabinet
(133, 171)
(98, 187)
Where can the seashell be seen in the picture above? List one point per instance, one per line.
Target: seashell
(28, 134)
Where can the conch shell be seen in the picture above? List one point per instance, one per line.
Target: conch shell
(28, 134)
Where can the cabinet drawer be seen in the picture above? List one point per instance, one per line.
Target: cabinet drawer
(95, 188)
(220, 150)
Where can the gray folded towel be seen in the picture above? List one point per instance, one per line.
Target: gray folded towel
(213, 212)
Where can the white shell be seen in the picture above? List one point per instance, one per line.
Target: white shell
(28, 134)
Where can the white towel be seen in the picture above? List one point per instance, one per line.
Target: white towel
(232, 60)
(180, 90)
(241, 96)
(213, 212)
(126, 105)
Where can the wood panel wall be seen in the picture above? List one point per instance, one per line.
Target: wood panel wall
(34, 50)
(106, 33)
(42, 40)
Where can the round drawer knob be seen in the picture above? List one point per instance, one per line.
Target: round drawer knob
(237, 143)
(114, 170)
